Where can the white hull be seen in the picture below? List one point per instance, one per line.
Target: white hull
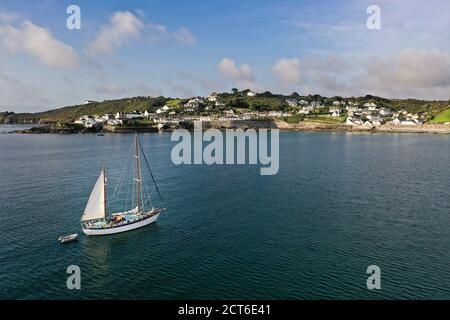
(127, 227)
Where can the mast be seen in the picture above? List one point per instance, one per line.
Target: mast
(137, 177)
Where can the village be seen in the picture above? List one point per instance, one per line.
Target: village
(212, 109)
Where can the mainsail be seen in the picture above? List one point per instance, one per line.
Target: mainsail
(96, 206)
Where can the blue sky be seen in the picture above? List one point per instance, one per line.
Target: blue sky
(187, 48)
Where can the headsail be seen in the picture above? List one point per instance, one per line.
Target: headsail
(96, 206)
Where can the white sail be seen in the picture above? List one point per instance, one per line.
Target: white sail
(95, 208)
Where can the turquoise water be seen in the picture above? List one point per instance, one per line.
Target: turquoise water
(340, 203)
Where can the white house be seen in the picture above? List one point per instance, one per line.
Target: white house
(133, 115)
(87, 122)
(275, 114)
(193, 103)
(213, 97)
(303, 102)
(306, 110)
(408, 123)
(316, 104)
(115, 122)
(396, 121)
(384, 112)
(250, 93)
(376, 121)
(353, 108)
(291, 102)
(371, 106)
(335, 112)
(353, 121)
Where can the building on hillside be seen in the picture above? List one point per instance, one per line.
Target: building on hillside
(213, 97)
(353, 121)
(193, 103)
(303, 102)
(275, 114)
(335, 112)
(292, 102)
(306, 110)
(384, 112)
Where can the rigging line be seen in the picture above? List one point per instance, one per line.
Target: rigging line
(130, 185)
(151, 173)
(149, 198)
(122, 174)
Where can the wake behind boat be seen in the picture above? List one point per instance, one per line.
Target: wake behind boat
(95, 220)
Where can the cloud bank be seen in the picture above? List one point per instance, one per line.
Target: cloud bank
(240, 76)
(124, 27)
(38, 42)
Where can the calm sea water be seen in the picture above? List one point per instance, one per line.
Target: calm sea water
(8, 128)
(340, 203)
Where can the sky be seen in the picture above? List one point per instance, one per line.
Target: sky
(189, 48)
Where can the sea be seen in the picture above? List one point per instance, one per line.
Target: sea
(340, 202)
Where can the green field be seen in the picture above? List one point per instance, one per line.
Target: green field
(442, 117)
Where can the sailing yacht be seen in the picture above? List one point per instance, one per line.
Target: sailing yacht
(95, 220)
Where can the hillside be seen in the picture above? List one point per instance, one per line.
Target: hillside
(237, 100)
(70, 113)
(442, 117)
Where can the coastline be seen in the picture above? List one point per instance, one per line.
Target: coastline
(385, 128)
(309, 126)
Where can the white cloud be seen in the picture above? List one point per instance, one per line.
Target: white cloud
(409, 73)
(159, 32)
(239, 75)
(125, 26)
(287, 71)
(122, 27)
(38, 42)
(411, 68)
(184, 37)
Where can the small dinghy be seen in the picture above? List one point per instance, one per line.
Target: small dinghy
(69, 238)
